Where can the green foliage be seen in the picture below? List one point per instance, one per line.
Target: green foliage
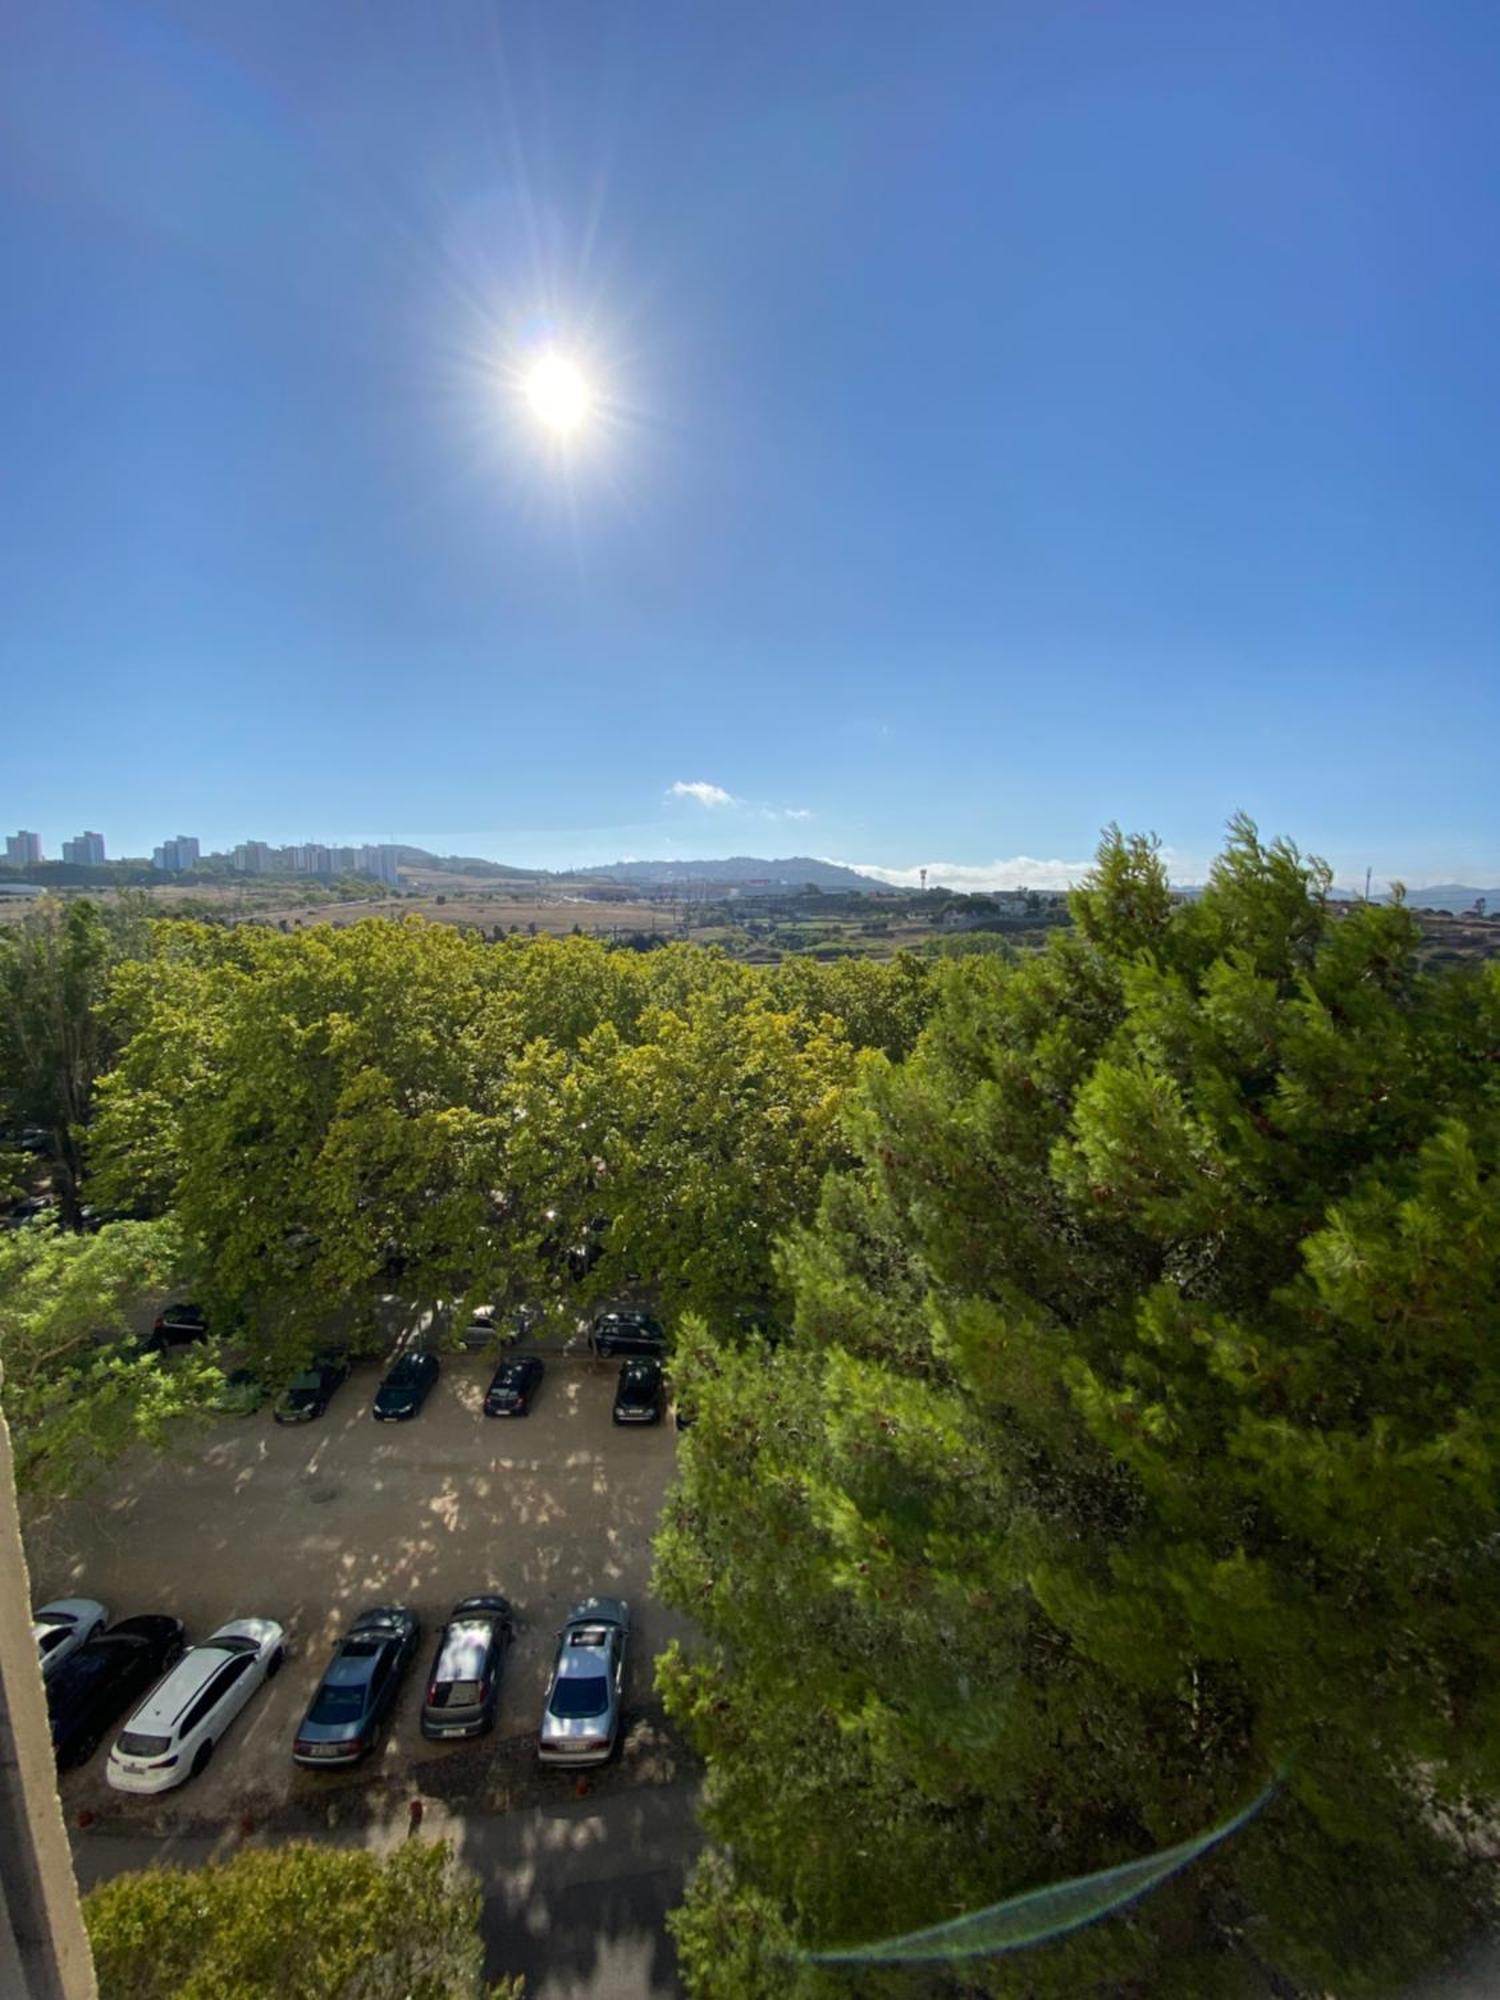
(1140, 1431)
(301, 1922)
(77, 1391)
(54, 1039)
(337, 1114)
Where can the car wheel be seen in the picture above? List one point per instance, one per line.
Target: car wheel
(200, 1760)
(273, 1665)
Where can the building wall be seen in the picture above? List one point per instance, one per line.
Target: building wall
(44, 1949)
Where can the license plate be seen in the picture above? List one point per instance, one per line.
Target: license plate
(452, 1732)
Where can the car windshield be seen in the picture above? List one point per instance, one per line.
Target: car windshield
(457, 1694)
(337, 1704)
(408, 1370)
(306, 1385)
(580, 1695)
(131, 1745)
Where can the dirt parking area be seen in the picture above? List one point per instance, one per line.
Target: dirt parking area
(310, 1524)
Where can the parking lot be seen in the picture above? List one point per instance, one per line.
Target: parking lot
(310, 1524)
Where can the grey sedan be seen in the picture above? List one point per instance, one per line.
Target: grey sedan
(356, 1694)
(581, 1715)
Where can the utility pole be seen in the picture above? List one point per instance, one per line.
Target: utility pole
(1367, 885)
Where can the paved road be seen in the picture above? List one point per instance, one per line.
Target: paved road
(576, 1893)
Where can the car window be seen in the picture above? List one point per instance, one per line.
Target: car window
(197, 1711)
(381, 1672)
(133, 1745)
(458, 1694)
(337, 1704)
(53, 1638)
(580, 1695)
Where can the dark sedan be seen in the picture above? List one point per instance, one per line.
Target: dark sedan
(106, 1676)
(308, 1396)
(514, 1385)
(628, 1332)
(176, 1326)
(641, 1393)
(464, 1685)
(356, 1694)
(406, 1388)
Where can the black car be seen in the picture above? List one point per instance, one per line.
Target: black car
(307, 1397)
(406, 1387)
(107, 1675)
(175, 1326)
(512, 1387)
(464, 1684)
(355, 1695)
(628, 1332)
(641, 1393)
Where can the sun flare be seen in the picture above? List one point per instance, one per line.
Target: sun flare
(559, 396)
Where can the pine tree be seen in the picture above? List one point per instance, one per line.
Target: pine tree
(1138, 1439)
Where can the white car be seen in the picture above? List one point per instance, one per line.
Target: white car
(62, 1627)
(172, 1734)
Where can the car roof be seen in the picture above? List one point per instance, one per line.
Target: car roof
(466, 1647)
(158, 1714)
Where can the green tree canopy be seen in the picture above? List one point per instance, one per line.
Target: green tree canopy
(301, 1922)
(1140, 1435)
(77, 1389)
(336, 1114)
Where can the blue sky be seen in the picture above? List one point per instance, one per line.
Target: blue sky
(1012, 418)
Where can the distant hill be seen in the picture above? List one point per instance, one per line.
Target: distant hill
(463, 864)
(1451, 896)
(793, 872)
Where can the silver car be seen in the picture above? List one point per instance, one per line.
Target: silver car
(581, 1715)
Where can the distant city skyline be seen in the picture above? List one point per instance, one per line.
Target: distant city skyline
(517, 851)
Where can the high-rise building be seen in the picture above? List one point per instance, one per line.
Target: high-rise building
(23, 849)
(381, 862)
(176, 856)
(87, 851)
(253, 857)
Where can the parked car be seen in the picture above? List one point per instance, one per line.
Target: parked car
(307, 1397)
(172, 1735)
(96, 1683)
(31, 1208)
(628, 1332)
(464, 1685)
(486, 1326)
(581, 1715)
(176, 1326)
(513, 1386)
(355, 1695)
(61, 1627)
(640, 1395)
(406, 1387)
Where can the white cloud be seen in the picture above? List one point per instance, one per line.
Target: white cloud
(1023, 871)
(798, 812)
(704, 793)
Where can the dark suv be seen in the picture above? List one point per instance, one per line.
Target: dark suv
(464, 1685)
(641, 1394)
(629, 1332)
(176, 1326)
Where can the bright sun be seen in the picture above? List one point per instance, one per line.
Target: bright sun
(558, 394)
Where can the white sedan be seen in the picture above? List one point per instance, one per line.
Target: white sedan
(62, 1627)
(172, 1734)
